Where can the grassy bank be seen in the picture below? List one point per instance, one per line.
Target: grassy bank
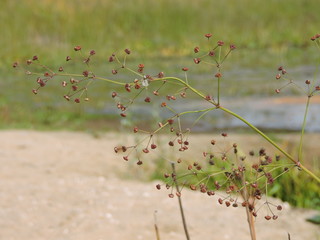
(161, 27)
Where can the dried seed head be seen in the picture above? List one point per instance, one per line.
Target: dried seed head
(308, 82)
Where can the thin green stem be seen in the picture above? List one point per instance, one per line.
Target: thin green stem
(303, 128)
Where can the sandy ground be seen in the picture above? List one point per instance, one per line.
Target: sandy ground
(71, 186)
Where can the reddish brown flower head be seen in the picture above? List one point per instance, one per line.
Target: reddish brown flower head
(197, 60)
(127, 51)
(232, 47)
(153, 146)
(196, 49)
(77, 100)
(111, 59)
(280, 68)
(278, 76)
(141, 65)
(29, 62)
(317, 88)
(218, 75)
(35, 58)
(158, 186)
(92, 52)
(114, 71)
(77, 48)
(211, 53)
(277, 90)
(208, 35)
(160, 75)
(313, 38)
(34, 91)
(60, 69)
(114, 94)
(85, 73)
(147, 99)
(220, 43)
(15, 64)
(185, 69)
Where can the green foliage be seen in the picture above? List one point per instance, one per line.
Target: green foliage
(53, 26)
(297, 188)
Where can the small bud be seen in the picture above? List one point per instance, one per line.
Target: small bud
(34, 58)
(308, 82)
(111, 59)
(196, 49)
(171, 143)
(279, 207)
(213, 142)
(92, 52)
(153, 146)
(77, 100)
(211, 53)
(145, 150)
(220, 43)
(277, 90)
(126, 158)
(224, 134)
(123, 115)
(197, 60)
(220, 201)
(208, 35)
(15, 64)
(127, 51)
(85, 73)
(64, 84)
(139, 162)
(34, 91)
(147, 99)
(60, 69)
(68, 58)
(232, 47)
(29, 62)
(278, 76)
(77, 48)
(160, 75)
(227, 203)
(114, 71)
(158, 186)
(171, 195)
(218, 75)
(67, 97)
(267, 217)
(185, 69)
(114, 94)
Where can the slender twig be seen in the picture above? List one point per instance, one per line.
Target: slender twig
(156, 225)
(180, 202)
(303, 128)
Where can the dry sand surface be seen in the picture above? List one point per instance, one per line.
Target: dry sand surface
(71, 186)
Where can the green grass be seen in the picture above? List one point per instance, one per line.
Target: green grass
(151, 28)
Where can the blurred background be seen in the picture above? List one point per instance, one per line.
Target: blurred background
(162, 34)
